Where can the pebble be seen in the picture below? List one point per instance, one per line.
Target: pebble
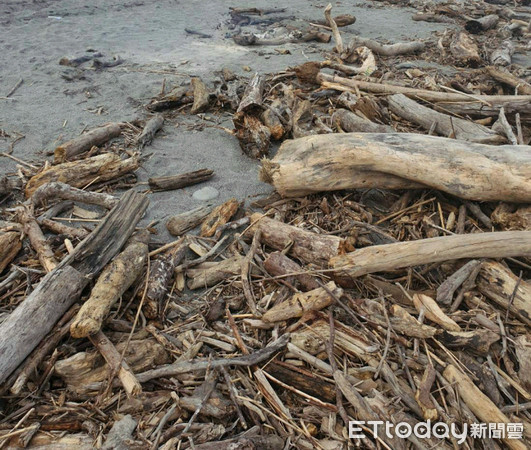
(206, 193)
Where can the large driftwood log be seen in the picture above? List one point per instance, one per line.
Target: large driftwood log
(80, 173)
(379, 258)
(180, 181)
(455, 102)
(309, 247)
(113, 281)
(364, 160)
(503, 287)
(10, 245)
(84, 142)
(23, 330)
(445, 125)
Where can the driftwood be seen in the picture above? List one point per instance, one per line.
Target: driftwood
(8, 185)
(445, 125)
(477, 104)
(177, 97)
(482, 407)
(148, 133)
(208, 274)
(380, 258)
(503, 55)
(180, 181)
(500, 285)
(219, 216)
(10, 245)
(476, 26)
(85, 142)
(37, 314)
(252, 97)
(201, 96)
(350, 122)
(465, 50)
(301, 303)
(60, 228)
(507, 78)
(332, 24)
(120, 433)
(400, 48)
(113, 281)
(181, 223)
(279, 264)
(56, 190)
(80, 173)
(252, 134)
(364, 160)
(304, 245)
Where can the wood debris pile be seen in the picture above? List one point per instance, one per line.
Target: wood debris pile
(387, 278)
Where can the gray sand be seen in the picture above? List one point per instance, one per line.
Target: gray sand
(150, 37)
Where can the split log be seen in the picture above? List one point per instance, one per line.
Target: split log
(201, 96)
(85, 142)
(301, 303)
(476, 26)
(80, 173)
(252, 135)
(309, 247)
(445, 125)
(279, 264)
(400, 48)
(170, 182)
(350, 122)
(482, 407)
(37, 314)
(465, 49)
(160, 275)
(83, 372)
(181, 223)
(500, 285)
(10, 245)
(56, 190)
(400, 161)
(219, 216)
(148, 133)
(466, 104)
(251, 101)
(507, 78)
(113, 281)
(503, 55)
(209, 273)
(380, 258)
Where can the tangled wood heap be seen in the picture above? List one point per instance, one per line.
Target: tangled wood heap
(385, 279)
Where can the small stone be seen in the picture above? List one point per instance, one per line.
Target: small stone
(206, 193)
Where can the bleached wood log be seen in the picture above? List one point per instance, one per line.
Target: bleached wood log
(56, 190)
(483, 407)
(503, 55)
(27, 325)
(10, 245)
(350, 122)
(85, 142)
(397, 161)
(445, 125)
(80, 173)
(476, 26)
(380, 258)
(113, 281)
(509, 79)
(120, 433)
(181, 223)
(400, 48)
(208, 274)
(307, 246)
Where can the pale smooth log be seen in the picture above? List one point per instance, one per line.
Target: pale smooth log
(80, 173)
(309, 247)
(482, 406)
(381, 258)
(385, 160)
(181, 223)
(113, 281)
(33, 319)
(85, 142)
(400, 48)
(350, 122)
(445, 125)
(208, 274)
